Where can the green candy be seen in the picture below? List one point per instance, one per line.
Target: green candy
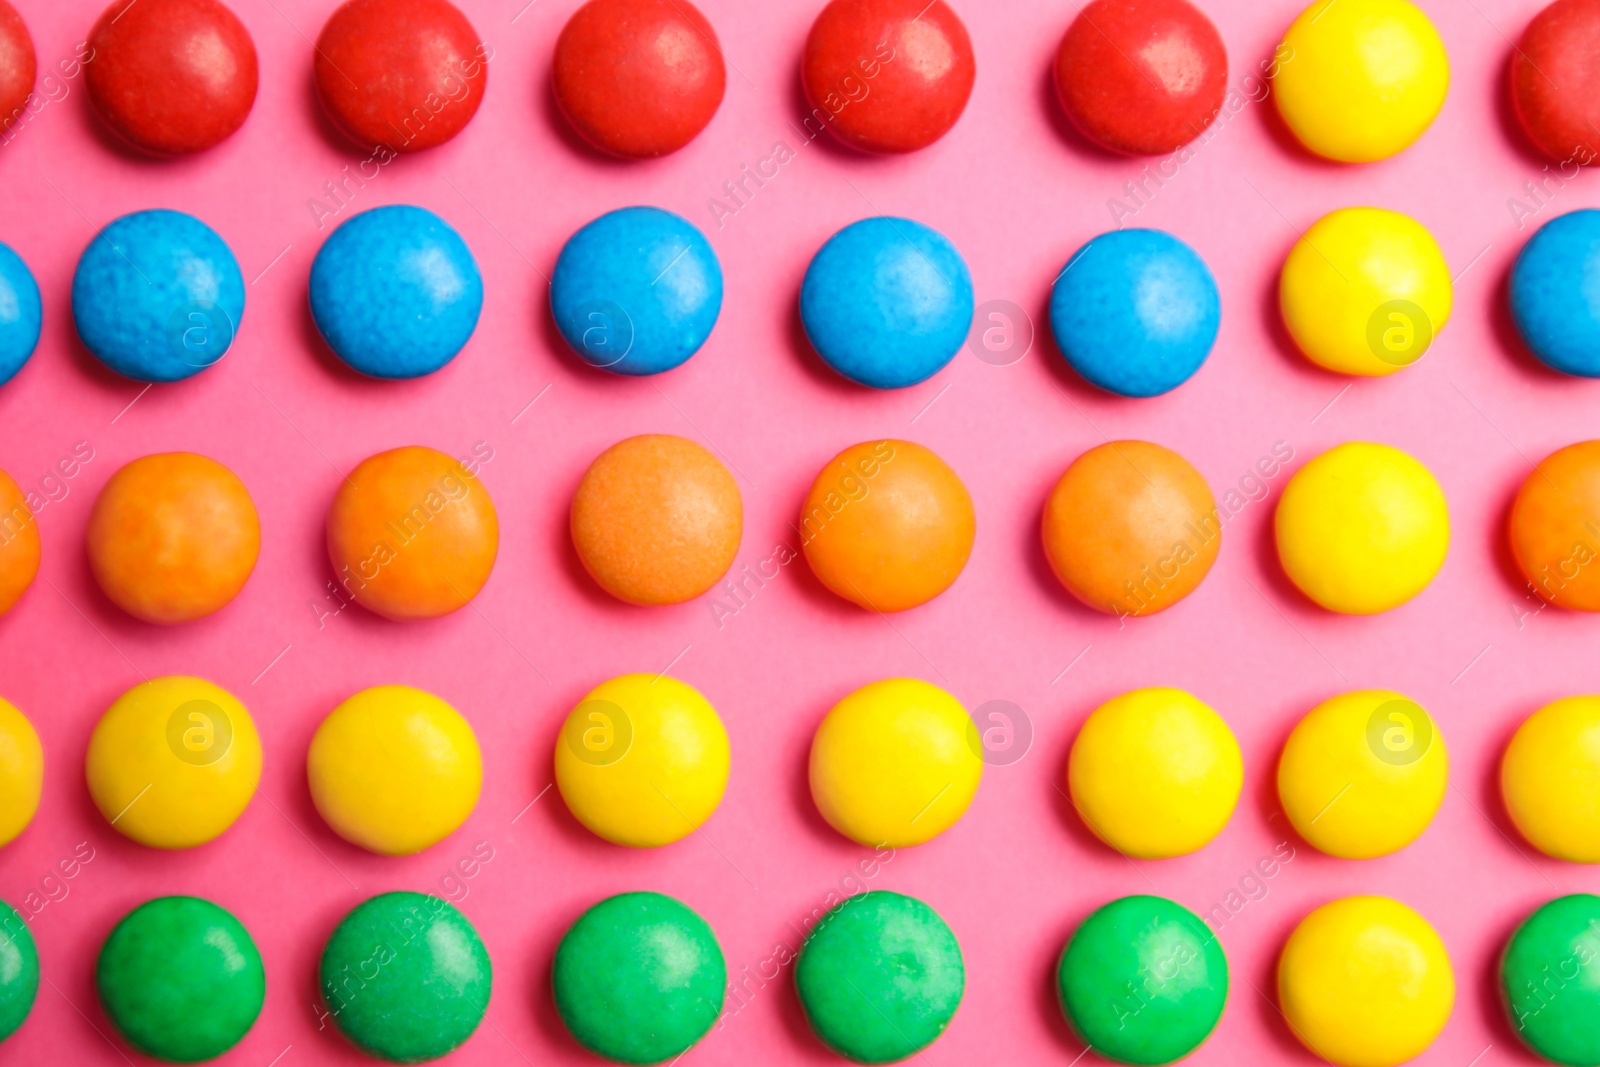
(880, 977)
(639, 978)
(19, 971)
(405, 977)
(1143, 980)
(1550, 979)
(181, 978)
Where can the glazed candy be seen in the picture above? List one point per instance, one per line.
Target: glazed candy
(1550, 779)
(1552, 1006)
(1553, 527)
(1555, 81)
(21, 314)
(21, 782)
(19, 971)
(19, 543)
(18, 65)
(1552, 305)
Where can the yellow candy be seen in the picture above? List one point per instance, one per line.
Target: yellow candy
(1363, 774)
(21, 772)
(1365, 291)
(642, 760)
(1362, 78)
(173, 762)
(895, 763)
(1550, 778)
(1155, 773)
(1365, 982)
(1362, 528)
(394, 769)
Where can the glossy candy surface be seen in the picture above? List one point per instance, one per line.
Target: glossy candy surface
(18, 65)
(1551, 999)
(1553, 522)
(19, 971)
(1554, 307)
(19, 543)
(21, 783)
(1550, 779)
(1555, 82)
(21, 313)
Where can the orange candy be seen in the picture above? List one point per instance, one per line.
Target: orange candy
(888, 525)
(19, 543)
(656, 520)
(1555, 527)
(412, 534)
(1131, 528)
(173, 537)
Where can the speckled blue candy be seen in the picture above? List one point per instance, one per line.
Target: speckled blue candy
(395, 292)
(887, 302)
(157, 296)
(636, 291)
(20, 314)
(1555, 293)
(1135, 312)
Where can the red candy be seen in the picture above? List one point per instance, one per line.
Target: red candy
(171, 76)
(638, 78)
(404, 74)
(888, 75)
(1555, 80)
(1144, 77)
(17, 65)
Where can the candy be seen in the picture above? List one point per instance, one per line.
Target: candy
(405, 977)
(1135, 312)
(895, 763)
(636, 291)
(1363, 774)
(887, 75)
(157, 296)
(173, 537)
(1555, 526)
(19, 971)
(171, 76)
(1550, 779)
(1143, 980)
(1365, 78)
(20, 311)
(1553, 308)
(394, 769)
(1546, 980)
(173, 762)
(1365, 982)
(1131, 528)
(639, 978)
(887, 525)
(412, 534)
(18, 65)
(638, 78)
(19, 543)
(1155, 773)
(880, 977)
(181, 979)
(1554, 79)
(1365, 291)
(400, 75)
(642, 760)
(395, 292)
(1143, 77)
(1362, 528)
(887, 302)
(656, 520)
(21, 784)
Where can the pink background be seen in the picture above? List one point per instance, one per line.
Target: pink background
(1017, 194)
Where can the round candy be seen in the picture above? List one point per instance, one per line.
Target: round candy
(173, 762)
(1365, 982)
(1547, 980)
(173, 537)
(1553, 524)
(656, 520)
(1365, 291)
(19, 543)
(19, 971)
(1143, 980)
(880, 977)
(412, 534)
(405, 977)
(1362, 528)
(887, 525)
(21, 784)
(1144, 77)
(394, 769)
(1554, 79)
(639, 978)
(18, 65)
(642, 760)
(181, 979)
(887, 75)
(157, 296)
(1366, 79)
(636, 291)
(638, 78)
(1550, 779)
(1155, 773)
(1363, 774)
(887, 302)
(20, 311)
(895, 763)
(401, 75)
(171, 76)
(1551, 304)
(1135, 312)
(1131, 528)
(395, 292)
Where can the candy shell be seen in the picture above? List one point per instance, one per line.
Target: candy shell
(1550, 779)
(21, 784)
(1554, 80)
(19, 543)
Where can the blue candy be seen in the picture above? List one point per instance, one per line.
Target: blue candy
(887, 302)
(1555, 293)
(395, 292)
(636, 291)
(157, 296)
(1135, 312)
(20, 314)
